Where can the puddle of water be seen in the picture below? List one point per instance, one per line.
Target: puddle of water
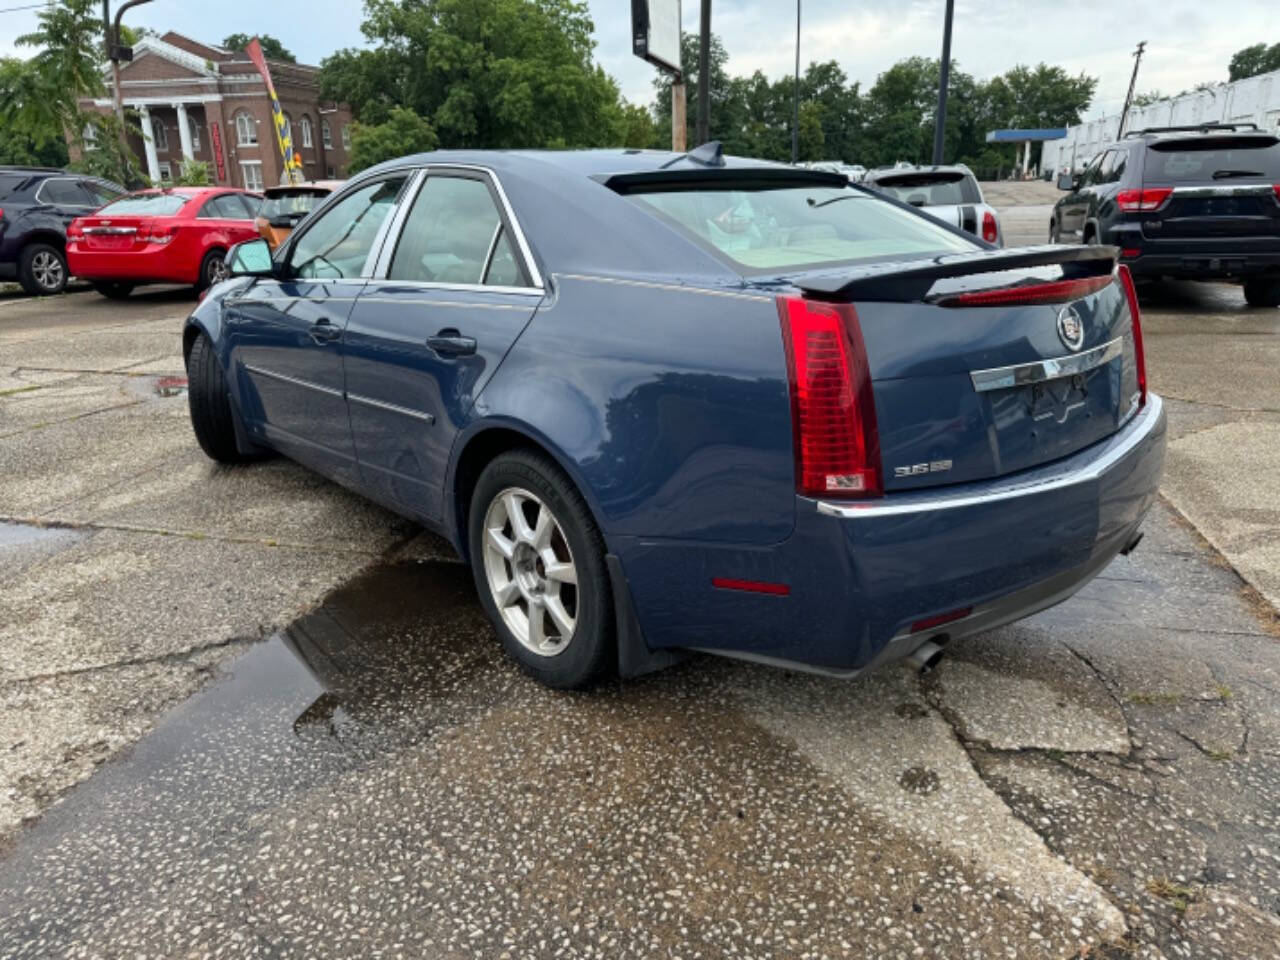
(25, 534)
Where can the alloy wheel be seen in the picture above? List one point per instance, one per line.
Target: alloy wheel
(217, 271)
(47, 270)
(530, 571)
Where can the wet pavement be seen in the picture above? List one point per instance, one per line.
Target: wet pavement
(378, 780)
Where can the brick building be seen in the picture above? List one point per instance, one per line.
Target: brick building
(210, 104)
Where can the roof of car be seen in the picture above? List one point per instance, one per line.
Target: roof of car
(881, 172)
(328, 186)
(587, 163)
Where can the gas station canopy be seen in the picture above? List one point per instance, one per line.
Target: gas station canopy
(1026, 138)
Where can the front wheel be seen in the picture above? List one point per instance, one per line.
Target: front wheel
(538, 562)
(213, 269)
(1262, 293)
(209, 404)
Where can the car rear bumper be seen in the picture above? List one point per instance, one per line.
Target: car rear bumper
(858, 575)
(157, 265)
(1225, 265)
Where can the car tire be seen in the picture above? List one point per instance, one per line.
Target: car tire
(42, 269)
(558, 626)
(209, 402)
(113, 291)
(213, 268)
(1054, 235)
(1262, 293)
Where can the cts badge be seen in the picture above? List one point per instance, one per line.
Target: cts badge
(918, 469)
(1070, 328)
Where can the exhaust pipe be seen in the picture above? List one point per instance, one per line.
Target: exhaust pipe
(925, 657)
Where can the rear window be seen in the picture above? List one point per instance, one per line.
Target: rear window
(930, 189)
(295, 203)
(766, 229)
(147, 204)
(1209, 159)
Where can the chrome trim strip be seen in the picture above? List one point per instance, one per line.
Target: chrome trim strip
(261, 371)
(1141, 428)
(448, 303)
(1019, 374)
(114, 231)
(382, 251)
(460, 287)
(1235, 190)
(392, 407)
(652, 285)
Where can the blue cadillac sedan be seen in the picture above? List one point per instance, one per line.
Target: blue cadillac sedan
(669, 402)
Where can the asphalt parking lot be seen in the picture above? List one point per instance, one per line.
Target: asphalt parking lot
(244, 713)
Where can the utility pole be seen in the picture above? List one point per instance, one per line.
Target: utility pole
(795, 97)
(1128, 99)
(704, 76)
(679, 132)
(116, 53)
(944, 76)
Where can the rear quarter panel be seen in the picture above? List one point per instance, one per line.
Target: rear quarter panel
(670, 406)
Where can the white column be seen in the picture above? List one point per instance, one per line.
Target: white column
(149, 143)
(184, 132)
(1026, 159)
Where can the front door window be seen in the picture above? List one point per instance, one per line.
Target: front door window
(339, 243)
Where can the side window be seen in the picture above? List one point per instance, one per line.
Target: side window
(338, 243)
(64, 193)
(99, 192)
(249, 204)
(1117, 167)
(453, 234)
(1091, 172)
(219, 208)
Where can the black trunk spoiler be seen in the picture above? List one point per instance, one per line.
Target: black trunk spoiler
(907, 280)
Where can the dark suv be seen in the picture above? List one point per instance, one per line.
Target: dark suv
(1198, 203)
(36, 204)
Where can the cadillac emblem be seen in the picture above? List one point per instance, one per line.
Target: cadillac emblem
(1070, 328)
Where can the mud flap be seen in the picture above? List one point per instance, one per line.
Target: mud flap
(635, 659)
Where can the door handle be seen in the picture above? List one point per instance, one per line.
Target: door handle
(322, 331)
(450, 343)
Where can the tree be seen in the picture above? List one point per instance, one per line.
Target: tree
(1254, 60)
(484, 73)
(402, 133)
(272, 48)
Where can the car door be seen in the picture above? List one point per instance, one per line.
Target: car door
(285, 334)
(453, 291)
(1076, 205)
(224, 220)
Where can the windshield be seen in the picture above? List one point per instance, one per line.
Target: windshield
(295, 203)
(1220, 158)
(147, 204)
(764, 229)
(930, 189)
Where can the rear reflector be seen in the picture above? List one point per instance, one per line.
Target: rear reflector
(1139, 354)
(1054, 291)
(928, 623)
(1129, 253)
(1142, 201)
(989, 231)
(837, 447)
(751, 586)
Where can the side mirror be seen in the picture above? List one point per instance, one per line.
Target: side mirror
(252, 258)
(1066, 181)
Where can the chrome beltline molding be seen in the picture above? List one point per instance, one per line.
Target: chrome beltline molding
(263, 372)
(1020, 374)
(1140, 427)
(392, 407)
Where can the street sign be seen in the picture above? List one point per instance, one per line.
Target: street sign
(655, 33)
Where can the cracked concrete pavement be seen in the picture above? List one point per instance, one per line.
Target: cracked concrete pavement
(374, 777)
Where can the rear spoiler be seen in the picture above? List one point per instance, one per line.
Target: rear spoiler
(906, 280)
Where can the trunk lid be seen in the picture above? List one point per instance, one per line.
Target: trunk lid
(969, 390)
(1219, 187)
(128, 224)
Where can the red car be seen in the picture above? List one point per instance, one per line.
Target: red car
(172, 235)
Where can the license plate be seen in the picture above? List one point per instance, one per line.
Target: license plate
(1054, 401)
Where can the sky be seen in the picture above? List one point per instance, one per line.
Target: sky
(1188, 41)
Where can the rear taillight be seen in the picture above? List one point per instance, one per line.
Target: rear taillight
(989, 231)
(1275, 187)
(1053, 291)
(833, 412)
(1139, 354)
(1143, 201)
(159, 234)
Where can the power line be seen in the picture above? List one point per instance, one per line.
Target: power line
(29, 6)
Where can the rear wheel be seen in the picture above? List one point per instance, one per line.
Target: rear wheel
(1262, 293)
(212, 418)
(1054, 234)
(538, 563)
(42, 269)
(112, 290)
(213, 269)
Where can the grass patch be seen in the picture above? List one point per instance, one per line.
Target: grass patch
(1154, 698)
(1224, 692)
(1220, 754)
(1177, 895)
(14, 391)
